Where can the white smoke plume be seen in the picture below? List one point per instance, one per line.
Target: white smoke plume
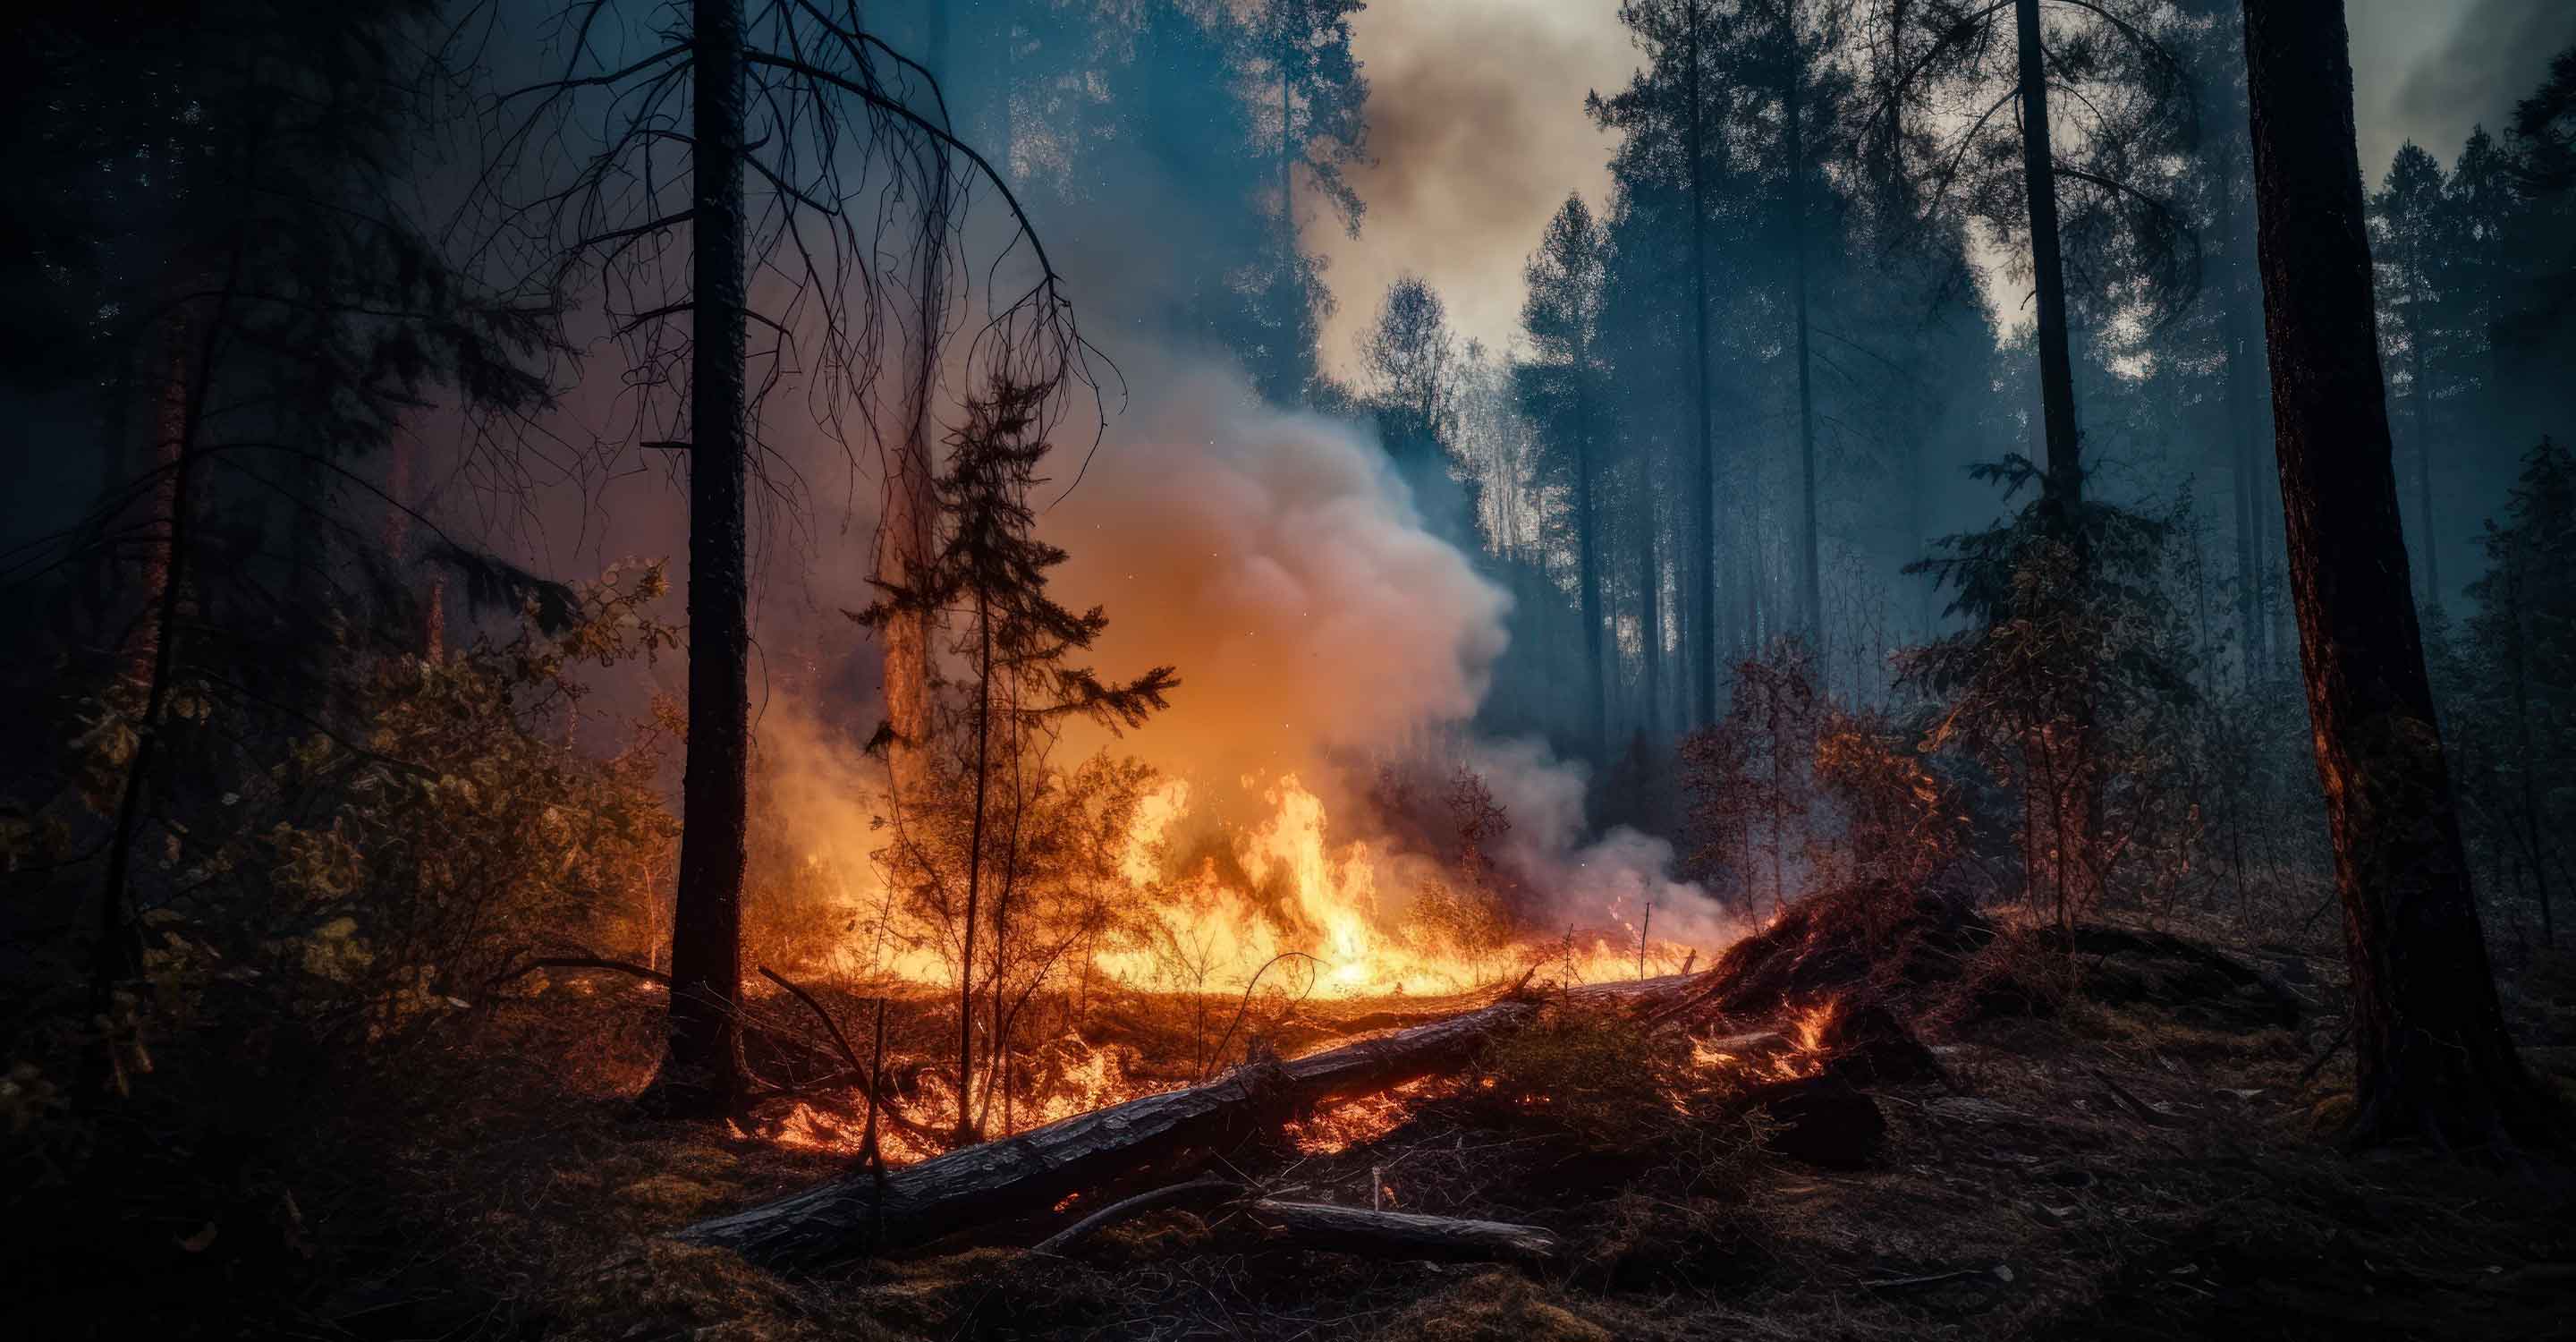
(1276, 558)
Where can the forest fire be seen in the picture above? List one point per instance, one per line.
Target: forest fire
(1353, 911)
(1278, 902)
(1213, 935)
(1058, 670)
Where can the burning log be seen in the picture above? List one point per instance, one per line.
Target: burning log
(854, 1214)
(1039, 1167)
(1323, 1225)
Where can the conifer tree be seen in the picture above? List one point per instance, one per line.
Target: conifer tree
(986, 587)
(2523, 642)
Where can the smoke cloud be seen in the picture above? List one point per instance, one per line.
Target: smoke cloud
(2496, 52)
(1277, 559)
(1274, 558)
(1477, 126)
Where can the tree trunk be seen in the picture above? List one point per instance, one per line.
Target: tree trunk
(1650, 610)
(2064, 483)
(1811, 585)
(1588, 557)
(1703, 533)
(2239, 413)
(169, 431)
(2423, 432)
(2432, 1057)
(118, 956)
(2518, 659)
(701, 1072)
(975, 874)
(2077, 799)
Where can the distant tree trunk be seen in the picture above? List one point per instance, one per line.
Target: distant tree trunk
(701, 1072)
(1587, 554)
(118, 956)
(2415, 412)
(1811, 586)
(169, 432)
(1702, 616)
(2064, 483)
(2517, 660)
(2242, 433)
(1650, 610)
(2432, 1056)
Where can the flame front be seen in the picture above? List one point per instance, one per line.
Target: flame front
(1338, 910)
(1289, 913)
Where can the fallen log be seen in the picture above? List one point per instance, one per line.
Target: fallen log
(1323, 1225)
(852, 1215)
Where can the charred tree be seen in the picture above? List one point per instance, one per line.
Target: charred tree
(701, 1071)
(2432, 1057)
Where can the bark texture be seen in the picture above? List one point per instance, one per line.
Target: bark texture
(2432, 1056)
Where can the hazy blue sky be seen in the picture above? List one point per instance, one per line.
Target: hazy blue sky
(1477, 123)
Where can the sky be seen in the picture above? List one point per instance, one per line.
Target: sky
(1477, 126)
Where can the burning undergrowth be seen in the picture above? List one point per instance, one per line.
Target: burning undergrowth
(1308, 818)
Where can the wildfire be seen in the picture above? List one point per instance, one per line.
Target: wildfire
(1345, 905)
(1356, 1122)
(1796, 1050)
(1294, 914)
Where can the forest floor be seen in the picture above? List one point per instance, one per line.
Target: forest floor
(2144, 1161)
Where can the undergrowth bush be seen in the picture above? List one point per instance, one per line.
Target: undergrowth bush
(1609, 1085)
(323, 910)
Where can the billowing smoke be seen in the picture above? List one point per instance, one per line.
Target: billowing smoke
(1276, 558)
(1620, 875)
